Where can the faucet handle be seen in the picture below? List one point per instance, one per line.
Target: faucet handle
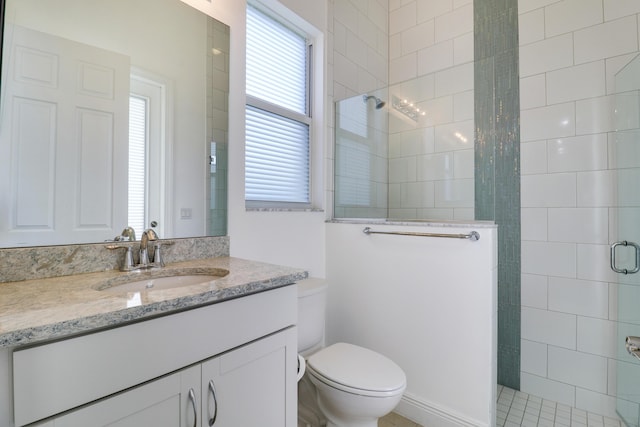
(158, 258)
(127, 264)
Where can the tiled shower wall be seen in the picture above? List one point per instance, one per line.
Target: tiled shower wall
(431, 66)
(570, 51)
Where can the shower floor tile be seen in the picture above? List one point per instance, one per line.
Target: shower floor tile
(521, 409)
(517, 409)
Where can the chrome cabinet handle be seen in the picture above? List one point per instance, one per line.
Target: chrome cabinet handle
(212, 390)
(192, 398)
(636, 248)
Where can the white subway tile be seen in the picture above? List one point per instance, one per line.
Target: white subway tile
(549, 258)
(533, 357)
(627, 182)
(460, 3)
(454, 80)
(614, 9)
(395, 46)
(439, 111)
(577, 82)
(462, 214)
(557, 329)
(592, 263)
(435, 58)
(356, 50)
(613, 371)
(553, 190)
(434, 167)
(454, 24)
(594, 188)
(454, 136)
(555, 121)
(463, 106)
(534, 291)
(626, 115)
(531, 27)
(533, 158)
(597, 403)
(606, 40)
(595, 115)
(582, 297)
(533, 91)
(418, 37)
(546, 55)
(614, 65)
(529, 5)
(597, 336)
(463, 48)
(581, 225)
(580, 153)
(346, 13)
(410, 197)
(400, 19)
(345, 72)
(463, 164)
(340, 38)
(552, 390)
(379, 15)
(571, 15)
(455, 193)
(403, 68)
(573, 367)
(429, 9)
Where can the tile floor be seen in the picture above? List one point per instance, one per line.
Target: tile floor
(521, 409)
(517, 409)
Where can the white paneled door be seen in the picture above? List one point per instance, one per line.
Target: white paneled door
(63, 140)
(625, 253)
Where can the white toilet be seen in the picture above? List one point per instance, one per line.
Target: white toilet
(355, 386)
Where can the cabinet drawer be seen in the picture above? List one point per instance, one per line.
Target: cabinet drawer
(52, 378)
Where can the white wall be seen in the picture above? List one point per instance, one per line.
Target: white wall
(290, 238)
(428, 304)
(569, 53)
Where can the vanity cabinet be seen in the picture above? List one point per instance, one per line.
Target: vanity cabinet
(238, 358)
(244, 387)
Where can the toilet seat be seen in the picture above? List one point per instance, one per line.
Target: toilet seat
(357, 370)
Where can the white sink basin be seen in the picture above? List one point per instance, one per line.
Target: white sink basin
(162, 283)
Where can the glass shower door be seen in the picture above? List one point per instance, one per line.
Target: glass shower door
(625, 253)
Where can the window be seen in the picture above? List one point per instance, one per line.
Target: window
(278, 113)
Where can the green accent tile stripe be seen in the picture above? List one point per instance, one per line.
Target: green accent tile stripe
(497, 163)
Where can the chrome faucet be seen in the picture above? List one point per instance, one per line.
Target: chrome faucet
(147, 235)
(145, 260)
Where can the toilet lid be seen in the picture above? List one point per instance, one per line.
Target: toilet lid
(358, 368)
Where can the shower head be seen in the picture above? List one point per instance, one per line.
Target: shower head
(379, 103)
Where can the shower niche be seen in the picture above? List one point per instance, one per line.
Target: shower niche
(401, 154)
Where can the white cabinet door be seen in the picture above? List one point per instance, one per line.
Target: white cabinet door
(170, 401)
(254, 385)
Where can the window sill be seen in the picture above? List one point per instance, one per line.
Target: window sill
(282, 209)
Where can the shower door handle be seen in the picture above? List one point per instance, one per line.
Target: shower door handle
(636, 249)
(632, 344)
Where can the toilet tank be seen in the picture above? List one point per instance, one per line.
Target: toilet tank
(312, 301)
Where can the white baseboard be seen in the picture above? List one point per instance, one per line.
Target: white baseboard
(431, 415)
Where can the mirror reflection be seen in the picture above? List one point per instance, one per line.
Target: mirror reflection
(112, 115)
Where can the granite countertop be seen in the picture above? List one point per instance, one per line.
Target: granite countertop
(32, 311)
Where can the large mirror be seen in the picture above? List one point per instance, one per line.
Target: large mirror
(113, 114)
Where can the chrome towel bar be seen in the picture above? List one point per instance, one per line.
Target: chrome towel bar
(473, 236)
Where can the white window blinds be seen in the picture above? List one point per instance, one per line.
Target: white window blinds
(277, 113)
(137, 163)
